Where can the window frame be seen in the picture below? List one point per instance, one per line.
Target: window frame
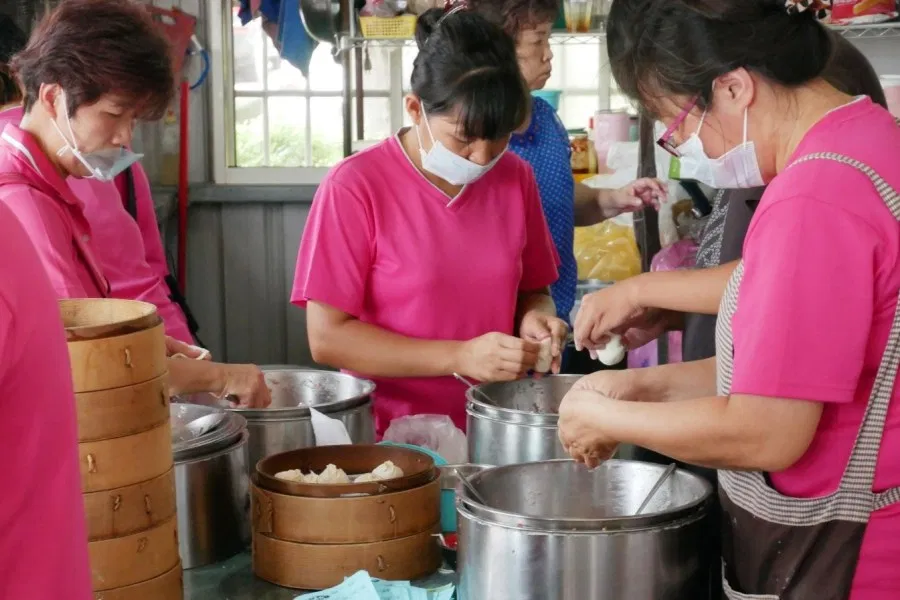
(222, 97)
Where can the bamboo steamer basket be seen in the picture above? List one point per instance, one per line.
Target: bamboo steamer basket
(320, 566)
(93, 318)
(118, 361)
(168, 586)
(122, 411)
(125, 461)
(126, 510)
(131, 559)
(345, 520)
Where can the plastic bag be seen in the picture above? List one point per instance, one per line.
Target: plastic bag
(606, 252)
(435, 432)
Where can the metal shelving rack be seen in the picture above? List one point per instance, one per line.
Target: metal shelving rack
(351, 48)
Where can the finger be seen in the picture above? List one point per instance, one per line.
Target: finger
(519, 357)
(556, 364)
(509, 342)
(560, 331)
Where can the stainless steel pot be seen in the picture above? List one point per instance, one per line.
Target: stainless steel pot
(211, 487)
(555, 530)
(516, 422)
(285, 425)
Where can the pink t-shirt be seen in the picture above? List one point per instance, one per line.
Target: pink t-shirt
(43, 538)
(386, 246)
(129, 254)
(52, 217)
(821, 281)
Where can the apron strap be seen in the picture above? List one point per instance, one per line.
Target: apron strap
(859, 474)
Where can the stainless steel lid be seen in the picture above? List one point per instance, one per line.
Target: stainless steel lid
(186, 445)
(294, 390)
(560, 495)
(533, 401)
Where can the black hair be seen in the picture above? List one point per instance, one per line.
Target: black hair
(663, 48)
(468, 64)
(851, 72)
(515, 15)
(12, 40)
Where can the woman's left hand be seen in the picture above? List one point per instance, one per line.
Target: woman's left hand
(537, 326)
(178, 349)
(579, 433)
(634, 196)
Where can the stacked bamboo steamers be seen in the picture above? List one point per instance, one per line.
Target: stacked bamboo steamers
(118, 354)
(311, 536)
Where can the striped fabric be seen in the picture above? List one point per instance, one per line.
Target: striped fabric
(854, 499)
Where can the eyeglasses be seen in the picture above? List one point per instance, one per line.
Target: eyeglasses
(665, 141)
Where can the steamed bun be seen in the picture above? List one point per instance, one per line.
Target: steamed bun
(387, 470)
(291, 475)
(365, 478)
(332, 474)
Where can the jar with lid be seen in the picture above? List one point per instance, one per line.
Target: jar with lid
(580, 156)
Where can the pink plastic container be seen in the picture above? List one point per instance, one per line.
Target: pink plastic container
(891, 85)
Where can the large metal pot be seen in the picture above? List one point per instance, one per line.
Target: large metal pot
(555, 530)
(516, 422)
(212, 487)
(285, 425)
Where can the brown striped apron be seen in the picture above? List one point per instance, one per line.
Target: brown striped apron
(779, 548)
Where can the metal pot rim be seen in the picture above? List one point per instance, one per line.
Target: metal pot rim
(225, 435)
(512, 520)
(509, 416)
(302, 412)
(201, 453)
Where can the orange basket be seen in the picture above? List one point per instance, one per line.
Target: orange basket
(388, 28)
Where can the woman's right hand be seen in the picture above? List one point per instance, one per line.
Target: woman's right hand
(496, 357)
(612, 310)
(246, 383)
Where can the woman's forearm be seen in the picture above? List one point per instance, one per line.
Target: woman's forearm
(189, 376)
(365, 348)
(694, 291)
(733, 432)
(675, 382)
(536, 301)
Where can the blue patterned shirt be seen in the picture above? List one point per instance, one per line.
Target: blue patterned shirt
(546, 148)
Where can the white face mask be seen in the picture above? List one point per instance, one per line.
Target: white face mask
(103, 165)
(737, 168)
(449, 166)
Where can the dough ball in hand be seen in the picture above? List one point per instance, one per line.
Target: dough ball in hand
(545, 357)
(613, 353)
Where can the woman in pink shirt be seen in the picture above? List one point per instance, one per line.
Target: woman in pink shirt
(43, 538)
(85, 83)
(799, 410)
(427, 254)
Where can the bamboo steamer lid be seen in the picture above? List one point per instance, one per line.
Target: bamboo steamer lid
(346, 520)
(135, 558)
(122, 411)
(127, 460)
(126, 510)
(168, 586)
(118, 361)
(320, 566)
(92, 318)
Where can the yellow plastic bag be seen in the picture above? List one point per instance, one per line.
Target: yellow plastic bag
(606, 251)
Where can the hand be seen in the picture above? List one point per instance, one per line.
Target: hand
(178, 349)
(617, 385)
(496, 357)
(537, 326)
(248, 384)
(611, 310)
(579, 432)
(634, 196)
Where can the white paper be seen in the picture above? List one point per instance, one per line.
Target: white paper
(357, 587)
(328, 431)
